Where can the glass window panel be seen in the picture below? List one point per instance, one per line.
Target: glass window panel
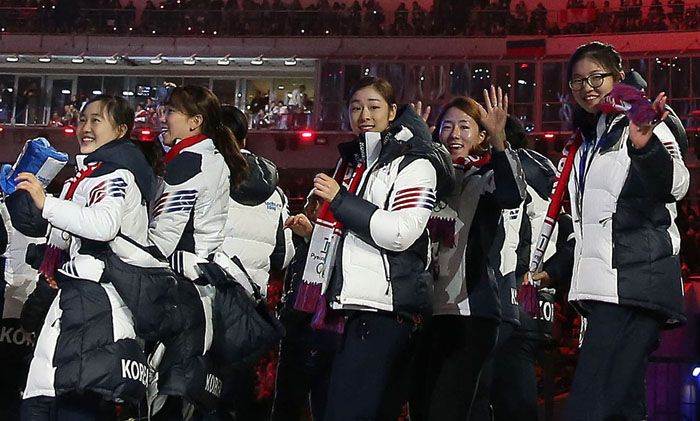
(29, 101)
(141, 91)
(370, 69)
(113, 85)
(380, 70)
(332, 117)
(552, 82)
(352, 73)
(556, 116)
(503, 78)
(291, 117)
(434, 82)
(141, 86)
(637, 65)
(551, 112)
(661, 69)
(414, 89)
(459, 78)
(60, 96)
(7, 97)
(481, 79)
(396, 75)
(331, 81)
(680, 78)
(552, 126)
(524, 113)
(696, 76)
(566, 113)
(683, 108)
(258, 102)
(225, 90)
(694, 120)
(89, 86)
(524, 82)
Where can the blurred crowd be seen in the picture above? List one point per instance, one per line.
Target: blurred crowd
(348, 18)
(292, 114)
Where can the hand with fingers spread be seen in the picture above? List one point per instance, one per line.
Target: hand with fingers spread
(325, 187)
(494, 116)
(641, 134)
(424, 113)
(33, 186)
(300, 225)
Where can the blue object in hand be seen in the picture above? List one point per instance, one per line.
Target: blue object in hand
(39, 158)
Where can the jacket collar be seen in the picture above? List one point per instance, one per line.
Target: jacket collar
(181, 145)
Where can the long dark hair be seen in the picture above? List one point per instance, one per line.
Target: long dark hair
(198, 100)
(121, 113)
(234, 119)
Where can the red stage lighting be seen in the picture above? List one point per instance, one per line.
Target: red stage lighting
(549, 136)
(2, 129)
(307, 135)
(68, 130)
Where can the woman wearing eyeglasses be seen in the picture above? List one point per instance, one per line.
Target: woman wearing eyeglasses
(626, 279)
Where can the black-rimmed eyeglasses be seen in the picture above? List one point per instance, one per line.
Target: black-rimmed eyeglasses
(594, 81)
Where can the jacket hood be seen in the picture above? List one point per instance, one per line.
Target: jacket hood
(123, 153)
(538, 170)
(409, 135)
(261, 181)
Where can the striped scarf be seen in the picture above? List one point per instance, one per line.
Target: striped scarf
(321, 256)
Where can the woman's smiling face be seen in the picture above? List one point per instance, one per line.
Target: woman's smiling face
(96, 128)
(460, 133)
(178, 125)
(369, 111)
(587, 96)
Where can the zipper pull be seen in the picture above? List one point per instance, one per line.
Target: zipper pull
(386, 272)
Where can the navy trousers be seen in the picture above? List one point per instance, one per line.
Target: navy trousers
(370, 367)
(609, 383)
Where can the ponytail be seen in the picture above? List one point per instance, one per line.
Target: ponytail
(193, 100)
(226, 143)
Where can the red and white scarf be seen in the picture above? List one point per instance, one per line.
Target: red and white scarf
(527, 296)
(321, 256)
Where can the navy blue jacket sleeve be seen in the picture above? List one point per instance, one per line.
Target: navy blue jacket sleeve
(25, 216)
(508, 176)
(652, 171)
(354, 213)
